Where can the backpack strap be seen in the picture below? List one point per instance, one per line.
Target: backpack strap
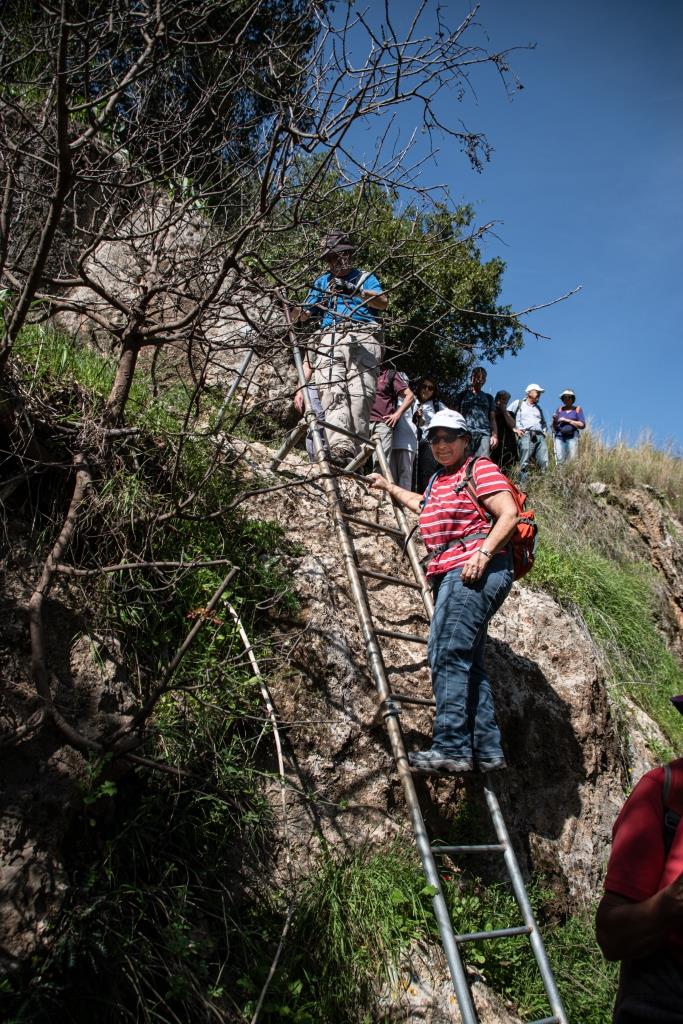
(423, 504)
(518, 411)
(428, 488)
(671, 817)
(468, 484)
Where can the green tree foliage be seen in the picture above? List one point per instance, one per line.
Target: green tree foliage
(216, 74)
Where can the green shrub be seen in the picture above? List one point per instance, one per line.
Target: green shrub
(358, 913)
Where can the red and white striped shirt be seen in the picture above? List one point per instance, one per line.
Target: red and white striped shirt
(451, 516)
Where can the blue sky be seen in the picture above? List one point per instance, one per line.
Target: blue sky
(585, 183)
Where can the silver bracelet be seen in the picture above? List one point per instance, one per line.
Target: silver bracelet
(483, 551)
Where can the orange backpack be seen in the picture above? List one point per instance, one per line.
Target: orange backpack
(525, 537)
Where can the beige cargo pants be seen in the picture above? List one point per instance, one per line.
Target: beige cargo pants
(346, 368)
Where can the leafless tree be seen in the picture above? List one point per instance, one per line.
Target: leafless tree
(156, 165)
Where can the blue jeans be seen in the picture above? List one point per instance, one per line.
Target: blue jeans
(532, 446)
(465, 724)
(566, 448)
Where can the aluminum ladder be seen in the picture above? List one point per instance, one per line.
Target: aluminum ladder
(390, 705)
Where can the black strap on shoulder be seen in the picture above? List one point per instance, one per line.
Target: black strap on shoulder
(671, 818)
(428, 488)
(468, 484)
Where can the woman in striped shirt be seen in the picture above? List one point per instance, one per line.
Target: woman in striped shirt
(470, 571)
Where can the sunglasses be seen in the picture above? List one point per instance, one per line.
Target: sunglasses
(446, 437)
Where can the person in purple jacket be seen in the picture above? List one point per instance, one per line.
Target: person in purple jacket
(568, 421)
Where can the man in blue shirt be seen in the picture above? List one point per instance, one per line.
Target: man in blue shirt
(346, 353)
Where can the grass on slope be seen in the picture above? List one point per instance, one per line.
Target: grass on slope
(359, 912)
(623, 466)
(588, 559)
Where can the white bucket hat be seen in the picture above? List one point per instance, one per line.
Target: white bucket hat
(450, 420)
(533, 387)
(568, 391)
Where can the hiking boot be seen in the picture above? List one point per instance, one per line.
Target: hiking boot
(340, 457)
(491, 764)
(433, 761)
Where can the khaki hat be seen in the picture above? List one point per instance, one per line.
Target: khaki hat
(337, 241)
(533, 387)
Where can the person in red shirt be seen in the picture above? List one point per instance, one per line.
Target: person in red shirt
(470, 571)
(640, 917)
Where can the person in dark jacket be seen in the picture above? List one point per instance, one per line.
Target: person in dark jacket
(427, 403)
(505, 453)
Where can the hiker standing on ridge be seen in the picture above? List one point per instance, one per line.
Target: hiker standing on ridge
(530, 428)
(476, 405)
(640, 917)
(568, 422)
(427, 405)
(505, 453)
(470, 571)
(347, 350)
(393, 398)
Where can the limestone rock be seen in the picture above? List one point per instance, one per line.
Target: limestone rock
(423, 993)
(168, 251)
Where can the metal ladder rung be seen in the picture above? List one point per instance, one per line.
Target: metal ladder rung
(403, 698)
(481, 848)
(496, 933)
(391, 530)
(394, 635)
(359, 460)
(389, 579)
(347, 433)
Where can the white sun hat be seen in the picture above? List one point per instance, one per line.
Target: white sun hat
(568, 391)
(533, 387)
(449, 419)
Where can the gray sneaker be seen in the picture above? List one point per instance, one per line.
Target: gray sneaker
(433, 761)
(491, 764)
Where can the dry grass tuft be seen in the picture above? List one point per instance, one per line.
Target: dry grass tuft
(623, 466)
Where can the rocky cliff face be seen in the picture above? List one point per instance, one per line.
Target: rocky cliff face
(44, 780)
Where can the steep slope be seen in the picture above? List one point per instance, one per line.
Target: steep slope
(572, 750)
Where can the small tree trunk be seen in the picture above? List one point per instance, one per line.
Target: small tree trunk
(118, 396)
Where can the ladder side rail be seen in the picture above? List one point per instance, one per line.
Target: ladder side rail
(293, 438)
(410, 546)
(522, 899)
(429, 866)
(240, 372)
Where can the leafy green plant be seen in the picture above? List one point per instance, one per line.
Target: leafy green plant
(616, 602)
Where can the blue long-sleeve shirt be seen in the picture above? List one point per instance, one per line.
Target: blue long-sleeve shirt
(336, 307)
